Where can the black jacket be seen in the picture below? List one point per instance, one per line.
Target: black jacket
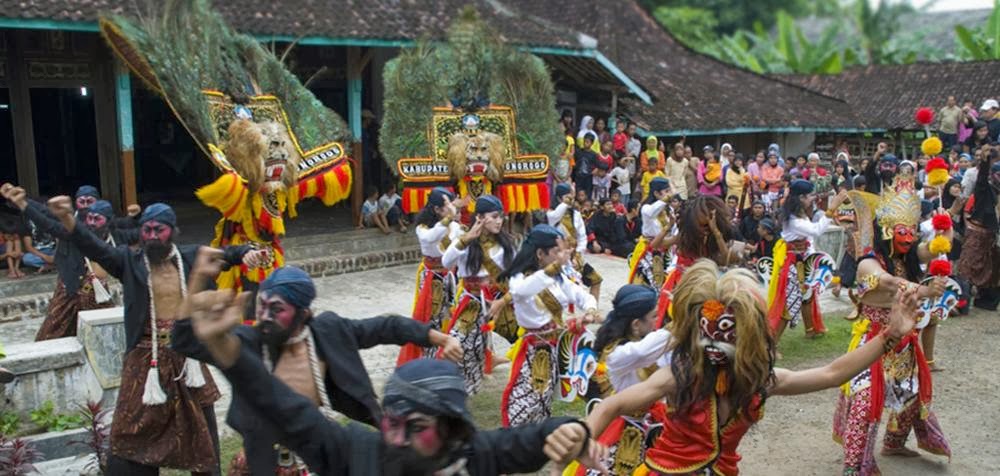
(127, 266)
(69, 259)
(333, 449)
(338, 341)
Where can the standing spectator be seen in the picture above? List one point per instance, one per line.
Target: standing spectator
(980, 137)
(771, 174)
(736, 182)
(601, 182)
(606, 155)
(39, 247)
(800, 166)
(587, 128)
(634, 146)
(390, 205)
(620, 139)
(621, 178)
(652, 171)
(586, 158)
(988, 114)
(567, 120)
(676, 168)
(962, 165)
(753, 171)
(568, 160)
(607, 231)
(691, 175)
(710, 174)
(813, 168)
(651, 152)
(601, 129)
(726, 154)
(949, 118)
(374, 167)
(969, 117)
(776, 150)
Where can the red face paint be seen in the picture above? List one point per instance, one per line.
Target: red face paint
(272, 307)
(85, 201)
(155, 231)
(902, 239)
(96, 221)
(415, 430)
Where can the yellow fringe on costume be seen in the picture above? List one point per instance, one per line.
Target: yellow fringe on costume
(463, 190)
(523, 197)
(779, 256)
(633, 260)
(858, 330)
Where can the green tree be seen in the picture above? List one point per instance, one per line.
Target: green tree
(695, 27)
(877, 26)
(981, 43)
(733, 15)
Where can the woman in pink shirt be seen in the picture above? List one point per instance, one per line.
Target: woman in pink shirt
(710, 175)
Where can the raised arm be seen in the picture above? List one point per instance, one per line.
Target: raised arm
(639, 354)
(637, 397)
(902, 321)
(556, 213)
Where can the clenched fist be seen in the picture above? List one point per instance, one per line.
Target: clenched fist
(62, 208)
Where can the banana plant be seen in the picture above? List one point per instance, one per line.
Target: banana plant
(981, 43)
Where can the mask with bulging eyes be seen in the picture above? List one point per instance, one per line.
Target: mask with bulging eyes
(902, 239)
(718, 332)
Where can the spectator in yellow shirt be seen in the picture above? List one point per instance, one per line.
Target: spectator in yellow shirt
(652, 171)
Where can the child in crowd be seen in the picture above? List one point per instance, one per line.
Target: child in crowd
(621, 178)
(587, 210)
(371, 216)
(606, 156)
(581, 196)
(391, 207)
(620, 139)
(616, 202)
(652, 171)
(10, 252)
(601, 183)
(767, 230)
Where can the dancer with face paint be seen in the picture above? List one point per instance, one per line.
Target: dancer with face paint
(315, 354)
(630, 349)
(721, 372)
(479, 256)
(901, 380)
(881, 170)
(164, 415)
(426, 428)
(568, 220)
(543, 298)
(81, 284)
(436, 227)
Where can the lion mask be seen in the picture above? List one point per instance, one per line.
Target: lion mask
(262, 154)
(479, 154)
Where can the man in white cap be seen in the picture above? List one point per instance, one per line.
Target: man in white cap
(988, 114)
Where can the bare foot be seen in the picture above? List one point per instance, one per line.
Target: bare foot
(901, 451)
(935, 367)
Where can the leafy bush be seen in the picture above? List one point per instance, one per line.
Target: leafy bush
(47, 418)
(10, 422)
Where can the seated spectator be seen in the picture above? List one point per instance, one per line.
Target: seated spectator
(11, 252)
(587, 210)
(633, 221)
(581, 197)
(616, 202)
(390, 204)
(768, 231)
(371, 216)
(748, 224)
(607, 232)
(39, 247)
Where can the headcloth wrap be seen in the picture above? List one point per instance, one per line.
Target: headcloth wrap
(632, 301)
(102, 207)
(292, 284)
(433, 387)
(160, 212)
(488, 203)
(562, 189)
(544, 236)
(658, 183)
(437, 196)
(890, 158)
(801, 187)
(87, 191)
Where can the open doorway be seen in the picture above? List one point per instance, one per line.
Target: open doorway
(8, 166)
(65, 139)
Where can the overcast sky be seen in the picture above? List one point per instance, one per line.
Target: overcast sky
(941, 5)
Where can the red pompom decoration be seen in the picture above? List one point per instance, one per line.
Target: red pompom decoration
(924, 116)
(935, 164)
(942, 222)
(939, 267)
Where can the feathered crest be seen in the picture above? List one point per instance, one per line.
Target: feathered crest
(181, 47)
(473, 69)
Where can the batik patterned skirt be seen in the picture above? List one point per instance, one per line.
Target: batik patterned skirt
(980, 259)
(61, 317)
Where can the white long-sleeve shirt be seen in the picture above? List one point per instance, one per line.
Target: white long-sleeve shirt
(555, 217)
(530, 312)
(628, 358)
(651, 217)
(456, 258)
(797, 228)
(430, 237)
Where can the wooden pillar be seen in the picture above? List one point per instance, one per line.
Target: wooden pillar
(20, 107)
(355, 66)
(107, 130)
(126, 139)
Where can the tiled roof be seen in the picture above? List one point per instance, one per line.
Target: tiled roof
(691, 91)
(887, 95)
(368, 19)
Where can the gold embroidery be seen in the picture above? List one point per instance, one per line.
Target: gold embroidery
(659, 275)
(437, 295)
(645, 372)
(469, 316)
(541, 369)
(628, 455)
(505, 324)
(551, 304)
